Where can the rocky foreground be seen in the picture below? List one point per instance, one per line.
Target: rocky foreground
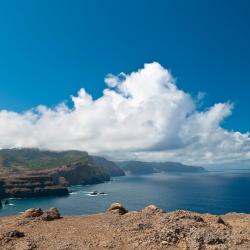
(150, 228)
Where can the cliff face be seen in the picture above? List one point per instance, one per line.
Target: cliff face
(20, 186)
(79, 174)
(51, 182)
(2, 192)
(110, 167)
(32, 173)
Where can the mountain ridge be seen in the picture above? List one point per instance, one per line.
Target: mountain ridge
(140, 167)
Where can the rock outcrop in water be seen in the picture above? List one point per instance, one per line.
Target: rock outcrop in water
(150, 228)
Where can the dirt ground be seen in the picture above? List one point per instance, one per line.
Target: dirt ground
(150, 228)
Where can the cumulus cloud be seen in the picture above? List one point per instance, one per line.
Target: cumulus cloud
(142, 115)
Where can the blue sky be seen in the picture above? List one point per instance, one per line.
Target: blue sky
(49, 50)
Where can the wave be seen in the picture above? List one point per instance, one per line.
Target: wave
(74, 192)
(93, 195)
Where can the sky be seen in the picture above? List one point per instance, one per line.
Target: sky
(193, 108)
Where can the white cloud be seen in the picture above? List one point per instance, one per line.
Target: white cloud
(142, 115)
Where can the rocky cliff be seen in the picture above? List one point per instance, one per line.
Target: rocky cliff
(79, 174)
(30, 185)
(32, 172)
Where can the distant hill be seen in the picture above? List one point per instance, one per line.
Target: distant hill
(140, 167)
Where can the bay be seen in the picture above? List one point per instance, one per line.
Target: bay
(209, 192)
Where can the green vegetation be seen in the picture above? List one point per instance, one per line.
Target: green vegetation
(35, 159)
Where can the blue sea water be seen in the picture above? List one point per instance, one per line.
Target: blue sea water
(209, 192)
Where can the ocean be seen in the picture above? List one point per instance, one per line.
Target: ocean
(209, 192)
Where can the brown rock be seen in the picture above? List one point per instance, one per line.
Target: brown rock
(117, 208)
(14, 234)
(32, 212)
(186, 215)
(151, 209)
(221, 221)
(10, 235)
(51, 214)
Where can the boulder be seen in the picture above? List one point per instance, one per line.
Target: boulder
(32, 213)
(117, 208)
(220, 221)
(186, 215)
(14, 234)
(152, 209)
(10, 235)
(51, 214)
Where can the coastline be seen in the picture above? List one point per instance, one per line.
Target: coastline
(202, 193)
